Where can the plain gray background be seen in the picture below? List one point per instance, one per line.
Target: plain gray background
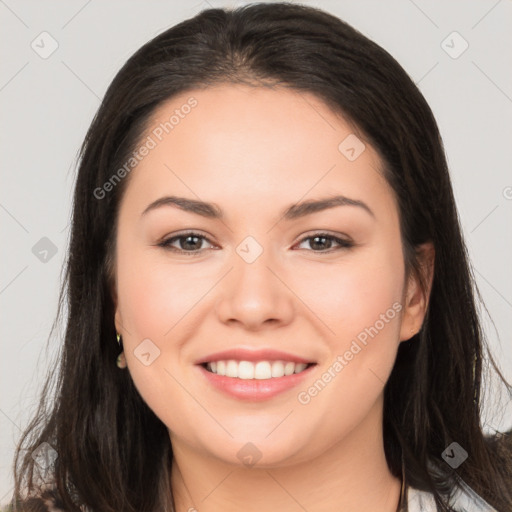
(47, 104)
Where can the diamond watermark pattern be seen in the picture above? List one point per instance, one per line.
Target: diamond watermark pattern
(454, 455)
(454, 45)
(45, 456)
(146, 352)
(351, 147)
(44, 250)
(249, 454)
(44, 45)
(249, 249)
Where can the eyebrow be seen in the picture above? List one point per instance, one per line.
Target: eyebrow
(294, 211)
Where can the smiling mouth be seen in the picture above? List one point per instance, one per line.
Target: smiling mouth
(261, 370)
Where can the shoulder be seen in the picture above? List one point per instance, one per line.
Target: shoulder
(463, 499)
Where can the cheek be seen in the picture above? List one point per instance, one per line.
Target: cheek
(360, 302)
(352, 295)
(155, 297)
(158, 302)
(153, 303)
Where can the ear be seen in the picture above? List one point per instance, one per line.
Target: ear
(416, 298)
(117, 315)
(117, 320)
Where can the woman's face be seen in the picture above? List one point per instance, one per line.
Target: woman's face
(263, 275)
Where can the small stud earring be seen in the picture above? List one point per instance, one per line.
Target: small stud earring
(121, 361)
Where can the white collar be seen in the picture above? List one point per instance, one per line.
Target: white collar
(464, 499)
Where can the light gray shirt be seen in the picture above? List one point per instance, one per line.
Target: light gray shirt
(463, 500)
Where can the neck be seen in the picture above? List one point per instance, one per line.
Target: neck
(352, 475)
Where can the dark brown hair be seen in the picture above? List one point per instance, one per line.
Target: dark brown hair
(113, 452)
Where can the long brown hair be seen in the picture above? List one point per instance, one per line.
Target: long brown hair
(113, 452)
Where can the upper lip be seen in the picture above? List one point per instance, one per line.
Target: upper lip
(244, 354)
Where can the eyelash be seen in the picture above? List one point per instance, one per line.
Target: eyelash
(344, 244)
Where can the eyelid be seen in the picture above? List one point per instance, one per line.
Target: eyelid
(184, 233)
(325, 232)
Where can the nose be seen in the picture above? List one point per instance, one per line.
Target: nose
(255, 295)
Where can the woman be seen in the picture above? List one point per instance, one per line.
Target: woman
(265, 236)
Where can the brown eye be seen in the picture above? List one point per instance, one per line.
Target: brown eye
(322, 242)
(187, 243)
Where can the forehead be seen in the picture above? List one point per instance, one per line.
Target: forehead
(247, 144)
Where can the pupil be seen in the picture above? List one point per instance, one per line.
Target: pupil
(319, 246)
(188, 238)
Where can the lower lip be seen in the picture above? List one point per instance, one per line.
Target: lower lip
(255, 390)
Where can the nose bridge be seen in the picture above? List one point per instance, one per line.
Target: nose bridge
(254, 282)
(250, 250)
(254, 295)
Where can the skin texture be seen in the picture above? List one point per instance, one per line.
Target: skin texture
(254, 151)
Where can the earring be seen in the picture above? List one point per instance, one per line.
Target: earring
(121, 359)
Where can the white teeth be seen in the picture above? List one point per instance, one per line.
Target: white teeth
(300, 367)
(277, 369)
(289, 368)
(221, 368)
(232, 369)
(261, 370)
(244, 370)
